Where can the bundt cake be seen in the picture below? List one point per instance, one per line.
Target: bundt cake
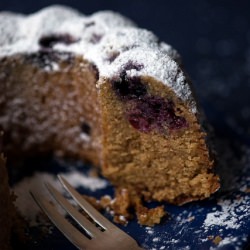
(97, 88)
(6, 207)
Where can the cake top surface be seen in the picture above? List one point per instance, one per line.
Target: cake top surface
(107, 39)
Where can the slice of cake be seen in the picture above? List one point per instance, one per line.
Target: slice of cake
(99, 89)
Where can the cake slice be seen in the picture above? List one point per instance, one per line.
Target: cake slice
(99, 89)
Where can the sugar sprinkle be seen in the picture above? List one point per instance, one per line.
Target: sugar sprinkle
(109, 34)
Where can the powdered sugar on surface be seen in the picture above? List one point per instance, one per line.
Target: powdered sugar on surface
(222, 222)
(105, 38)
(219, 223)
(36, 184)
(77, 179)
(229, 215)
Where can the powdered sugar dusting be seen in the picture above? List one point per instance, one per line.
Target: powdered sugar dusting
(77, 179)
(219, 223)
(228, 215)
(97, 37)
(25, 203)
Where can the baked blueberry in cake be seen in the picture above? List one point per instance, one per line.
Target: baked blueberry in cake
(98, 88)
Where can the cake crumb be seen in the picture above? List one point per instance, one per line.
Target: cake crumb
(217, 240)
(123, 206)
(210, 237)
(93, 173)
(150, 217)
(120, 219)
(105, 201)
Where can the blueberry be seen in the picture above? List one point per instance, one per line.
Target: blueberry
(145, 112)
(52, 39)
(133, 65)
(129, 88)
(140, 122)
(154, 112)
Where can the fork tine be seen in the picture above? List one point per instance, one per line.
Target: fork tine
(89, 227)
(70, 232)
(89, 209)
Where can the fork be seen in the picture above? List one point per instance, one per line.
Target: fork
(103, 235)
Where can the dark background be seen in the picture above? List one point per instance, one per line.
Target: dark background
(213, 38)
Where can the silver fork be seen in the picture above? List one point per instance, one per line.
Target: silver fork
(109, 237)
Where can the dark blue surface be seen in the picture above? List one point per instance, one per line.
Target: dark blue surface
(184, 229)
(213, 38)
